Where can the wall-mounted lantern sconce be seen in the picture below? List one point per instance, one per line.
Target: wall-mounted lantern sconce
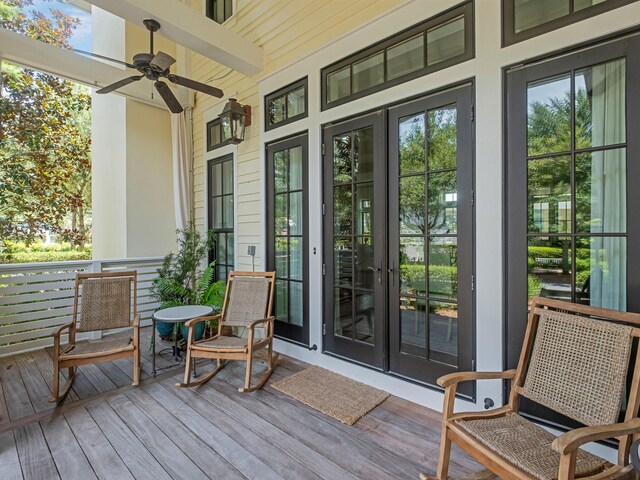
(234, 119)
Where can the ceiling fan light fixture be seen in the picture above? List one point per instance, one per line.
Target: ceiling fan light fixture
(234, 119)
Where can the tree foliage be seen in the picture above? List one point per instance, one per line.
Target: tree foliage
(45, 144)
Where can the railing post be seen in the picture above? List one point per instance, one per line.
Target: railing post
(95, 267)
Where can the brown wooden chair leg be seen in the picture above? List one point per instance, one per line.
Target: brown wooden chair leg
(55, 388)
(136, 366)
(247, 375)
(443, 458)
(57, 396)
(272, 358)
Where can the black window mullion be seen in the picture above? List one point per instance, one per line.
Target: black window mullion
(510, 36)
(465, 9)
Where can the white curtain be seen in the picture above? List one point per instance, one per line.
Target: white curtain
(181, 143)
(608, 188)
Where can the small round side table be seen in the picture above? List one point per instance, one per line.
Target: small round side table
(173, 315)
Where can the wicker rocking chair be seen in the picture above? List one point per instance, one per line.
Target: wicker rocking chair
(102, 301)
(574, 360)
(247, 304)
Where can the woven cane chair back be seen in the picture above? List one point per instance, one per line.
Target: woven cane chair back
(248, 300)
(578, 366)
(105, 303)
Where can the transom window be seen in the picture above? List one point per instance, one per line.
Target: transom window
(437, 43)
(219, 10)
(286, 105)
(216, 137)
(524, 19)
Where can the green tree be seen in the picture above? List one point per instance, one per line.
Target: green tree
(45, 141)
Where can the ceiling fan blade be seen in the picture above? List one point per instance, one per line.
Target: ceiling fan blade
(91, 54)
(201, 87)
(121, 83)
(168, 97)
(162, 61)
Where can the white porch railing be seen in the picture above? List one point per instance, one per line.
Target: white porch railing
(36, 298)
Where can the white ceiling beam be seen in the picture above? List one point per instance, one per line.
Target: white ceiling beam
(191, 29)
(64, 63)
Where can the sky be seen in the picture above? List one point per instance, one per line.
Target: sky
(81, 38)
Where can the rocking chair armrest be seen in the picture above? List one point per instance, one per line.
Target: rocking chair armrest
(56, 333)
(253, 324)
(194, 321)
(570, 441)
(457, 377)
(136, 321)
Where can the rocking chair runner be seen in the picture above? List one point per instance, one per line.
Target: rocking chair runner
(248, 303)
(102, 301)
(574, 360)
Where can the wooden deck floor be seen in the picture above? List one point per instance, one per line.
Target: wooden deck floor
(109, 429)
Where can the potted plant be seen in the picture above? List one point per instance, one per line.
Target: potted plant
(181, 280)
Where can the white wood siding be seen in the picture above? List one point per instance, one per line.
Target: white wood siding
(287, 31)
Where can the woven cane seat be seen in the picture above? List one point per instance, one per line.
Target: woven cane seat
(104, 346)
(527, 446)
(224, 342)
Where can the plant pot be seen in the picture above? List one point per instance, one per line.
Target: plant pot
(198, 332)
(164, 329)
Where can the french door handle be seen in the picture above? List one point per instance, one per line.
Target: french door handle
(379, 270)
(392, 271)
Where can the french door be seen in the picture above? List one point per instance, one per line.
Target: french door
(573, 226)
(398, 226)
(431, 237)
(354, 251)
(288, 235)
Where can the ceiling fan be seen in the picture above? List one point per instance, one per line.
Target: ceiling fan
(155, 66)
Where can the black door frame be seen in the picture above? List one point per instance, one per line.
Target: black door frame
(373, 356)
(406, 364)
(287, 331)
(515, 191)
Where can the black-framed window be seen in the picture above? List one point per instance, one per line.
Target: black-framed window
(215, 135)
(439, 42)
(220, 203)
(572, 224)
(286, 105)
(523, 19)
(219, 10)
(288, 234)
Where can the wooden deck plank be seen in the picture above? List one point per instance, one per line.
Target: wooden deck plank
(210, 400)
(35, 457)
(324, 434)
(9, 461)
(115, 433)
(104, 460)
(15, 393)
(65, 450)
(375, 432)
(98, 379)
(281, 456)
(115, 374)
(133, 453)
(162, 446)
(206, 455)
(35, 384)
(4, 413)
